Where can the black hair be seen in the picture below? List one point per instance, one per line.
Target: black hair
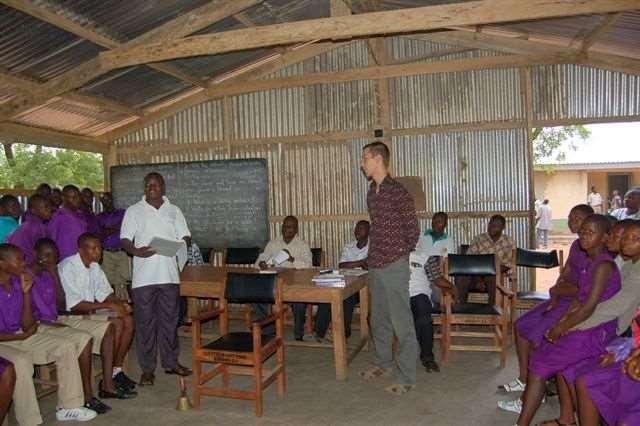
(153, 175)
(68, 188)
(585, 209)
(87, 236)
(7, 199)
(44, 185)
(36, 198)
(499, 218)
(6, 250)
(440, 214)
(87, 189)
(295, 219)
(45, 242)
(363, 222)
(56, 190)
(602, 222)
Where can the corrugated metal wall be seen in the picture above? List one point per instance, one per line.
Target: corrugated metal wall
(464, 172)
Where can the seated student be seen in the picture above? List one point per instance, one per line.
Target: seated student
(10, 212)
(67, 223)
(531, 326)
(22, 343)
(434, 243)
(354, 255)
(599, 280)
(631, 209)
(299, 257)
(33, 226)
(7, 384)
(43, 190)
(87, 291)
(46, 295)
(115, 262)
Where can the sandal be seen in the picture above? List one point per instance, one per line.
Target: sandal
(374, 372)
(398, 389)
(556, 422)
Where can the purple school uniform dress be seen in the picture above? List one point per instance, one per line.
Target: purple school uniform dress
(64, 228)
(11, 307)
(111, 219)
(43, 297)
(578, 346)
(538, 320)
(25, 237)
(93, 225)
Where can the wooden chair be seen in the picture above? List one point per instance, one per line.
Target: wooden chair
(526, 300)
(241, 353)
(477, 314)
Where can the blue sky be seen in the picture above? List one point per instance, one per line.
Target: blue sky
(608, 143)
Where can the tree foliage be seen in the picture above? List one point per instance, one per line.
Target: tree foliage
(552, 143)
(31, 166)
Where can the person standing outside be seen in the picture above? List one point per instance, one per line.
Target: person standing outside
(155, 278)
(616, 200)
(594, 199)
(544, 223)
(394, 234)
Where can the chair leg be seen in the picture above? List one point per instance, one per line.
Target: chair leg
(281, 379)
(258, 388)
(197, 372)
(226, 377)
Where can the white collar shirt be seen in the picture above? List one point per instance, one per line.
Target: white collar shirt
(352, 253)
(426, 247)
(142, 222)
(299, 250)
(622, 214)
(82, 284)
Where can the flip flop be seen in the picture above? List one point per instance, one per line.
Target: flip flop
(556, 422)
(398, 389)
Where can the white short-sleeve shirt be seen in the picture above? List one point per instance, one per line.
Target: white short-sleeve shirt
(82, 284)
(426, 247)
(142, 222)
(622, 214)
(352, 253)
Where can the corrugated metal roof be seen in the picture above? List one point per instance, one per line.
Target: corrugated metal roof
(590, 166)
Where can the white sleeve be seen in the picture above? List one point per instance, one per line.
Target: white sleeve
(129, 225)
(303, 259)
(182, 230)
(344, 257)
(70, 284)
(265, 255)
(103, 288)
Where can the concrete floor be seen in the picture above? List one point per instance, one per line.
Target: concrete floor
(463, 393)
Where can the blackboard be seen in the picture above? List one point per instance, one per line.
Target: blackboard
(225, 202)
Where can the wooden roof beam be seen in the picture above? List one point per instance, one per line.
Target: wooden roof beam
(40, 136)
(592, 37)
(366, 24)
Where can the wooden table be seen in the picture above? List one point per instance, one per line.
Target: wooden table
(207, 281)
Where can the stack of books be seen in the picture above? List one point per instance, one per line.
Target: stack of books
(329, 280)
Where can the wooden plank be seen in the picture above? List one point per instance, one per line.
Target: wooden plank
(600, 29)
(526, 88)
(40, 136)
(366, 24)
(176, 72)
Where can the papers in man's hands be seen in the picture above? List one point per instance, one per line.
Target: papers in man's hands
(170, 248)
(329, 280)
(279, 258)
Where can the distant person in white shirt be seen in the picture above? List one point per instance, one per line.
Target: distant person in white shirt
(616, 200)
(594, 199)
(543, 223)
(435, 243)
(155, 278)
(299, 254)
(354, 255)
(631, 209)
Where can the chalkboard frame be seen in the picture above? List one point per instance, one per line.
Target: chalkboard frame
(259, 164)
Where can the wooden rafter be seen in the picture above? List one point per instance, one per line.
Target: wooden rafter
(366, 24)
(600, 29)
(39, 136)
(186, 24)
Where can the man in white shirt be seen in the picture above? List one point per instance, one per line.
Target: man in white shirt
(543, 223)
(434, 243)
(87, 291)
(299, 257)
(594, 199)
(354, 255)
(155, 278)
(631, 209)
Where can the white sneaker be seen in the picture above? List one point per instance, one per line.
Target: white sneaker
(80, 414)
(515, 386)
(515, 405)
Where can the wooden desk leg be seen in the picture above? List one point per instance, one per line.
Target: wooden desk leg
(192, 306)
(364, 316)
(339, 340)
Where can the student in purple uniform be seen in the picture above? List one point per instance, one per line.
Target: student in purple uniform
(115, 262)
(7, 384)
(22, 343)
(531, 326)
(68, 223)
(598, 280)
(56, 199)
(10, 212)
(33, 226)
(93, 226)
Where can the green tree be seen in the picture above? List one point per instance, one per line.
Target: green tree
(552, 143)
(25, 166)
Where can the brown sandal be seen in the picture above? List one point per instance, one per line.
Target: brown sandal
(556, 422)
(373, 372)
(147, 379)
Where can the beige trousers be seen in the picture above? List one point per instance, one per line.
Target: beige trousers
(43, 348)
(95, 327)
(117, 268)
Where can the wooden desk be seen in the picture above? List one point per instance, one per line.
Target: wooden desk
(208, 281)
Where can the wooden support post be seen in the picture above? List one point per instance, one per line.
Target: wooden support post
(227, 124)
(109, 159)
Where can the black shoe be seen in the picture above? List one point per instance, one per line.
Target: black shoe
(431, 366)
(98, 406)
(118, 394)
(122, 381)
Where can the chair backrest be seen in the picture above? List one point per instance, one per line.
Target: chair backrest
(471, 264)
(241, 255)
(316, 256)
(537, 259)
(464, 248)
(250, 288)
(206, 254)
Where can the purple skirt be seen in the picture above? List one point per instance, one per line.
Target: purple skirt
(3, 365)
(615, 394)
(533, 324)
(577, 347)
